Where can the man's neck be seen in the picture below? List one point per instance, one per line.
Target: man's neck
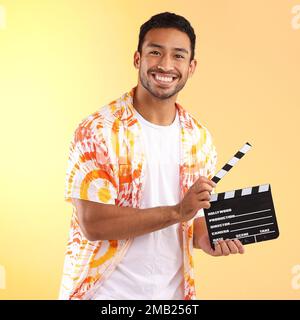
(157, 111)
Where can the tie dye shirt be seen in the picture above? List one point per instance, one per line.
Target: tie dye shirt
(107, 165)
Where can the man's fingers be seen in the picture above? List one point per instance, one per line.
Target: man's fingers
(203, 179)
(204, 196)
(218, 251)
(204, 205)
(197, 188)
(239, 245)
(232, 246)
(224, 248)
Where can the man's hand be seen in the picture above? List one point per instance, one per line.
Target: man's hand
(222, 248)
(196, 198)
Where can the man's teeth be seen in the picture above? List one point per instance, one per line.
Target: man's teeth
(165, 79)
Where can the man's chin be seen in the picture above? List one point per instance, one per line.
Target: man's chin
(163, 93)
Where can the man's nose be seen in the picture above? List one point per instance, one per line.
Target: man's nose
(166, 63)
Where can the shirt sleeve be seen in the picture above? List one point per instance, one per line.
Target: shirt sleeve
(90, 175)
(210, 164)
(211, 157)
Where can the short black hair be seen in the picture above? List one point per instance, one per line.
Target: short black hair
(168, 20)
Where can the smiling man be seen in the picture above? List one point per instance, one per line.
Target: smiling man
(139, 178)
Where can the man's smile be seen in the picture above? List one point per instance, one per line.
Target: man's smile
(164, 79)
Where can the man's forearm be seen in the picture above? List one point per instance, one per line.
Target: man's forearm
(110, 222)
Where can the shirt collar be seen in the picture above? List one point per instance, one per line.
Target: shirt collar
(185, 119)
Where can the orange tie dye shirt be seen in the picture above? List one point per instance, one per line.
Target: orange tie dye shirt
(107, 165)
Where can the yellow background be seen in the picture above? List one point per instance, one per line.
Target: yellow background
(62, 60)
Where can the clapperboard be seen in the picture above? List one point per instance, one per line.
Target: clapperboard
(246, 214)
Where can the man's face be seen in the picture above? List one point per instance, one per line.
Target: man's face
(164, 64)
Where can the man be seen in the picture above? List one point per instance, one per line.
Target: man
(138, 178)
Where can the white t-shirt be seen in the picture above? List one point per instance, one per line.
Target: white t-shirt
(153, 265)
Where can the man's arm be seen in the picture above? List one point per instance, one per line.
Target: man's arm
(109, 222)
(105, 221)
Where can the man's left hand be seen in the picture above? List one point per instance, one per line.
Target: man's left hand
(222, 247)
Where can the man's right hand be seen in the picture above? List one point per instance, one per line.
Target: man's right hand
(196, 198)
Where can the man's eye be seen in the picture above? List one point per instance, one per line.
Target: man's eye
(154, 52)
(179, 56)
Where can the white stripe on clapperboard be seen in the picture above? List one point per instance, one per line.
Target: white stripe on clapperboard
(233, 161)
(263, 188)
(246, 191)
(221, 173)
(246, 147)
(229, 194)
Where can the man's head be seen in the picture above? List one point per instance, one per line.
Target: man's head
(165, 54)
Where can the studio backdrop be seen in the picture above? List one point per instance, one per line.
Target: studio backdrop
(61, 60)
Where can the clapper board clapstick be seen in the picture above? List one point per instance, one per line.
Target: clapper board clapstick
(246, 214)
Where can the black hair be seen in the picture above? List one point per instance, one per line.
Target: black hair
(168, 20)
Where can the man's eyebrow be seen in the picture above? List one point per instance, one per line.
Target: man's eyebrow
(155, 45)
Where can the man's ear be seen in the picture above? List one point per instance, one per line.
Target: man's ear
(137, 60)
(192, 67)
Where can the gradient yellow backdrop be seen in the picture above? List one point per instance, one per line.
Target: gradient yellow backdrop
(62, 60)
